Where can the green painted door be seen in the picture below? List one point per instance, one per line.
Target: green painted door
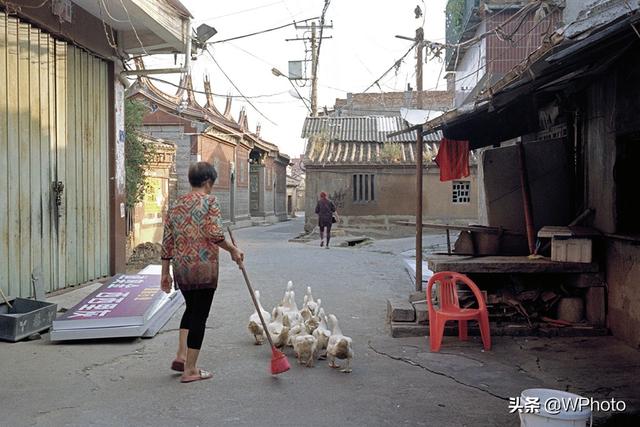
(53, 161)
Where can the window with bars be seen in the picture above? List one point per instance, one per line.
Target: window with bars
(461, 192)
(364, 188)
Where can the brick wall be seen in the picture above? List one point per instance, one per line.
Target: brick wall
(503, 55)
(435, 100)
(242, 203)
(242, 167)
(224, 200)
(184, 158)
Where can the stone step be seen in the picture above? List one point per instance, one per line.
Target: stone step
(422, 312)
(400, 310)
(408, 329)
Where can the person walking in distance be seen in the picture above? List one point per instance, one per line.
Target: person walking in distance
(193, 234)
(325, 210)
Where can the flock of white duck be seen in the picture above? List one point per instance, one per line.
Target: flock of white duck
(312, 334)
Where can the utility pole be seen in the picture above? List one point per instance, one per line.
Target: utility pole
(419, 161)
(315, 41)
(314, 72)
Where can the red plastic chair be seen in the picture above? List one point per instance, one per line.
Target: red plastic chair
(449, 309)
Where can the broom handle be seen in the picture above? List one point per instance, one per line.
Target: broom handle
(4, 297)
(253, 296)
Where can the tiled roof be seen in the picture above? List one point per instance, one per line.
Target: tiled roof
(363, 140)
(360, 129)
(364, 153)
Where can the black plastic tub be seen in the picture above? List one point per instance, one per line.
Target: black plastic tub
(25, 318)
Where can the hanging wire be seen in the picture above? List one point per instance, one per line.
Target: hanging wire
(237, 89)
(111, 40)
(259, 32)
(396, 64)
(132, 27)
(239, 12)
(269, 95)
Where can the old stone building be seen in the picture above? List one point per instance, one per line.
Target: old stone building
(251, 184)
(371, 177)
(571, 105)
(390, 103)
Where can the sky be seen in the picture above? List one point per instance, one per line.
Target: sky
(362, 47)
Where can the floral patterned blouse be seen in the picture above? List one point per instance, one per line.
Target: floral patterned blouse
(192, 229)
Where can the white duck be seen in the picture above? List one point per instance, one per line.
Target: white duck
(291, 310)
(305, 347)
(316, 312)
(310, 302)
(310, 321)
(255, 326)
(339, 346)
(295, 331)
(285, 298)
(279, 328)
(322, 334)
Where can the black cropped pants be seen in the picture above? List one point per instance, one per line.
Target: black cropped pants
(198, 303)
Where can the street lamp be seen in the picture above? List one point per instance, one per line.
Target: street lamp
(279, 73)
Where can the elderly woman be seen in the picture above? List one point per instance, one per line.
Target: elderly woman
(325, 210)
(192, 235)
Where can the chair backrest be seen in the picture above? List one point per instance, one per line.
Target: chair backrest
(448, 292)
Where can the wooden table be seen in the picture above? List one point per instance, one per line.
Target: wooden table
(506, 264)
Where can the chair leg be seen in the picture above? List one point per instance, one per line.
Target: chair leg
(462, 330)
(435, 337)
(485, 331)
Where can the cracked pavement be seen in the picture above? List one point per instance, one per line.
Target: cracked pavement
(394, 381)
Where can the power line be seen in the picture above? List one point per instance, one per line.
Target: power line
(396, 64)
(240, 11)
(501, 56)
(299, 95)
(498, 31)
(215, 94)
(264, 61)
(273, 66)
(132, 27)
(262, 32)
(111, 40)
(236, 87)
(335, 88)
(106, 9)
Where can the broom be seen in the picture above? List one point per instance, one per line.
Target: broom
(279, 362)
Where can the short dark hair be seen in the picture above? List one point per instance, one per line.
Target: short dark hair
(201, 172)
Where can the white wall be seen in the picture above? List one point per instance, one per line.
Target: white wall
(469, 71)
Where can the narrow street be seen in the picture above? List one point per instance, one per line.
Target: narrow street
(129, 382)
(503, 133)
(395, 381)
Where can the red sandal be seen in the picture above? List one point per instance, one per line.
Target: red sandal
(178, 365)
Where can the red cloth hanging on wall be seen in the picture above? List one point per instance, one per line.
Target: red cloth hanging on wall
(453, 159)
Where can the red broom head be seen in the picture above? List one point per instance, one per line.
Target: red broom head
(279, 362)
